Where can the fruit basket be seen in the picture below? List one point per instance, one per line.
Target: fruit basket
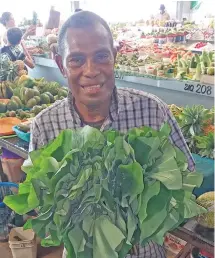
(22, 135)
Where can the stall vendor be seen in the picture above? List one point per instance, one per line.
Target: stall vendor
(163, 15)
(8, 21)
(87, 58)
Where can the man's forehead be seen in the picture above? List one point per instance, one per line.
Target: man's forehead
(87, 37)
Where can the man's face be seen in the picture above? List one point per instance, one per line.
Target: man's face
(161, 10)
(89, 65)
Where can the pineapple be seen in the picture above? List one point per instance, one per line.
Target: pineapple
(193, 121)
(22, 72)
(13, 72)
(205, 144)
(20, 65)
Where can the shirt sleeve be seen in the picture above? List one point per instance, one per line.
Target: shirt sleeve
(178, 140)
(35, 138)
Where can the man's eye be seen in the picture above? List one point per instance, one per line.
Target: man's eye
(102, 57)
(78, 61)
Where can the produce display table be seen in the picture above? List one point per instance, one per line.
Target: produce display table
(181, 93)
(187, 233)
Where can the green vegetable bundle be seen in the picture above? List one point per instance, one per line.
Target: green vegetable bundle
(101, 193)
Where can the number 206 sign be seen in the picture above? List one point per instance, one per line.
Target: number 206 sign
(201, 89)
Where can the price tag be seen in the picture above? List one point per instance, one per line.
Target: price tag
(198, 88)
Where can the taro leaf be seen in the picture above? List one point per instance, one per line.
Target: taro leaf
(141, 150)
(181, 159)
(46, 165)
(110, 156)
(172, 219)
(120, 221)
(24, 188)
(48, 242)
(63, 170)
(165, 130)
(77, 239)
(68, 245)
(191, 208)
(149, 192)
(28, 224)
(123, 249)
(92, 138)
(85, 173)
(191, 180)
(19, 203)
(53, 238)
(107, 237)
(88, 224)
(131, 179)
(167, 172)
(111, 135)
(32, 198)
(131, 224)
(57, 149)
(63, 206)
(40, 223)
(157, 208)
(122, 149)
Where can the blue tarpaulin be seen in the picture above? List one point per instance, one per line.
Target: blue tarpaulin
(205, 166)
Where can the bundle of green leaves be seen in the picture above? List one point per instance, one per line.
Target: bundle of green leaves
(100, 193)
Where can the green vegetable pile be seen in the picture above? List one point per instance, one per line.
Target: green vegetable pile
(100, 193)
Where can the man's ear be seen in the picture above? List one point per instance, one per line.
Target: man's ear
(114, 53)
(59, 62)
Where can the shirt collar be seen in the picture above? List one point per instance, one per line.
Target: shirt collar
(113, 112)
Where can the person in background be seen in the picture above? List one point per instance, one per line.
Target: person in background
(8, 21)
(87, 58)
(12, 51)
(163, 16)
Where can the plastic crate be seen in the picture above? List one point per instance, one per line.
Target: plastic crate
(22, 135)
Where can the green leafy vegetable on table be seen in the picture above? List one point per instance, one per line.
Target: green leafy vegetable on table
(100, 193)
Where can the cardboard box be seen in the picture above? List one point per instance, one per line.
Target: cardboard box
(173, 244)
(207, 79)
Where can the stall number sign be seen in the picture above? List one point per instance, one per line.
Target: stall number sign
(199, 89)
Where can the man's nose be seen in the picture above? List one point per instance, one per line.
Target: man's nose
(91, 69)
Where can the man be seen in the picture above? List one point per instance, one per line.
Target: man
(163, 16)
(87, 60)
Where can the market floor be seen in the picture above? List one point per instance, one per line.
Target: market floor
(5, 252)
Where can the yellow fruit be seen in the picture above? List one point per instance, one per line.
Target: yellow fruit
(206, 200)
(23, 78)
(22, 72)
(20, 64)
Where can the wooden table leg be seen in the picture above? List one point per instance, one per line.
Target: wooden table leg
(3, 177)
(185, 252)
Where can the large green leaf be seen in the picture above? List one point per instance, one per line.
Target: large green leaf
(107, 237)
(149, 192)
(132, 182)
(19, 203)
(167, 171)
(77, 239)
(172, 219)
(157, 208)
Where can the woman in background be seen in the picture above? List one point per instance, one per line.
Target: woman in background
(8, 21)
